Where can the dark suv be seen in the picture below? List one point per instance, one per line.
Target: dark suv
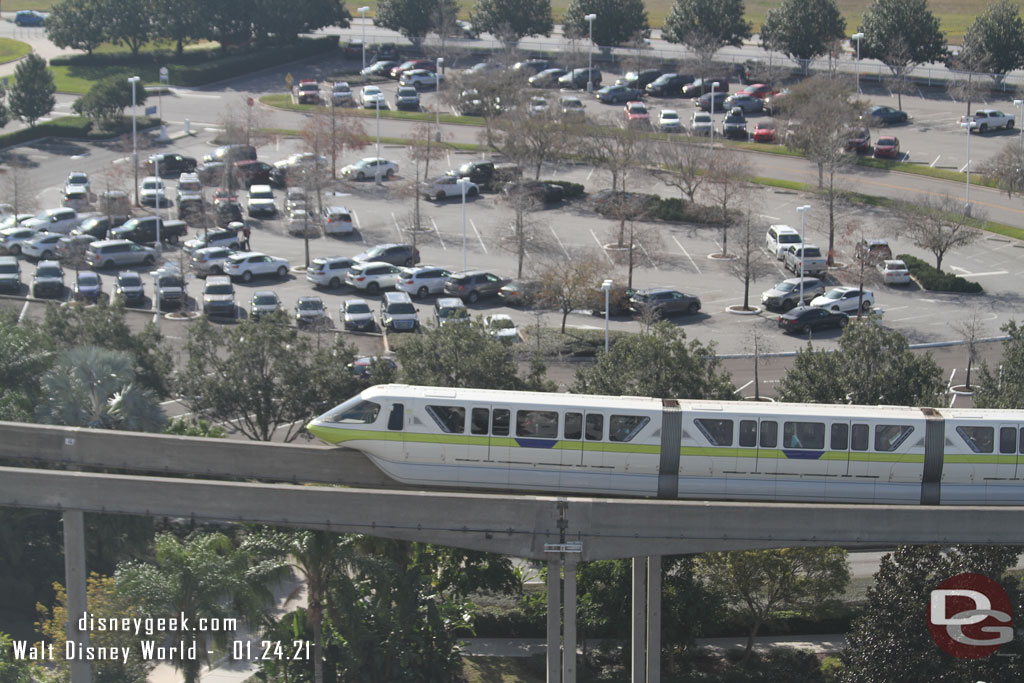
(703, 85)
(395, 254)
(664, 301)
(487, 173)
(472, 285)
(668, 85)
(577, 78)
(171, 164)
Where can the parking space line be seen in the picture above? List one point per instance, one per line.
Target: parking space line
(686, 254)
(555, 234)
(932, 165)
(591, 172)
(397, 226)
(601, 247)
(964, 167)
(438, 233)
(355, 219)
(749, 382)
(482, 245)
(644, 249)
(24, 310)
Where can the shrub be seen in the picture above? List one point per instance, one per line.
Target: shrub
(655, 207)
(936, 280)
(572, 190)
(64, 127)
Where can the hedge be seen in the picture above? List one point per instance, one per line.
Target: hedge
(935, 280)
(572, 190)
(655, 207)
(64, 127)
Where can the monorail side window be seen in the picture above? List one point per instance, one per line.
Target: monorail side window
(595, 427)
(748, 433)
(625, 427)
(537, 424)
(573, 430)
(718, 432)
(803, 435)
(978, 439)
(364, 412)
(859, 438)
(769, 434)
(478, 420)
(889, 437)
(840, 436)
(396, 420)
(500, 422)
(451, 419)
(1007, 440)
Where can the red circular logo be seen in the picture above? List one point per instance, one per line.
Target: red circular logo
(970, 616)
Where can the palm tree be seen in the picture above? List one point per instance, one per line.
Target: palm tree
(94, 387)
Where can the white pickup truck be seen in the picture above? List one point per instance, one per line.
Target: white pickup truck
(984, 120)
(813, 262)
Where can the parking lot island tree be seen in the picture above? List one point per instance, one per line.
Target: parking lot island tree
(414, 19)
(996, 38)
(617, 22)
(512, 20)
(523, 224)
(530, 139)
(78, 24)
(1006, 169)
(569, 286)
(706, 26)
(803, 29)
(726, 185)
(938, 225)
(682, 166)
(751, 262)
(107, 99)
(1003, 385)
(623, 153)
(32, 95)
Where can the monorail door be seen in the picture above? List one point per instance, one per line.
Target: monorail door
(1010, 444)
(498, 445)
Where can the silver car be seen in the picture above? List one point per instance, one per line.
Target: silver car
(786, 294)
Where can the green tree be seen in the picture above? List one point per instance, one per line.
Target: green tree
(202, 577)
(706, 26)
(891, 642)
(512, 20)
(24, 357)
(130, 22)
(661, 364)
(617, 22)
(262, 376)
(203, 428)
(302, 16)
(78, 24)
(32, 95)
(803, 29)
(1003, 387)
(11, 669)
(181, 21)
(107, 99)
(227, 21)
(412, 18)
(901, 34)
(93, 387)
(872, 366)
(996, 38)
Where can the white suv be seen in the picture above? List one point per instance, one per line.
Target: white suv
(250, 264)
(210, 260)
(397, 313)
(779, 238)
(373, 276)
(422, 281)
(329, 272)
(261, 201)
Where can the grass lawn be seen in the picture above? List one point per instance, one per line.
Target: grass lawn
(504, 669)
(78, 79)
(12, 49)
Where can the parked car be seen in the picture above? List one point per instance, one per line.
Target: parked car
(48, 280)
(61, 220)
(447, 186)
(219, 297)
(530, 66)
(372, 276)
(355, 314)
(473, 285)
(78, 179)
(219, 237)
(372, 97)
(370, 167)
(73, 247)
(664, 302)
(420, 79)
(10, 274)
(76, 197)
(702, 86)
(894, 272)
(538, 190)
(249, 173)
(147, 229)
(887, 147)
(486, 173)
(395, 254)
(845, 299)
(310, 312)
(668, 121)
(249, 264)
(668, 85)
(809, 318)
(301, 224)
(705, 101)
(639, 79)
(14, 238)
(169, 288)
(520, 293)
(170, 165)
(153, 193)
(422, 281)
(261, 201)
(96, 226)
(341, 94)
(308, 91)
(450, 310)
(775, 104)
(295, 198)
(210, 260)
(858, 140)
(501, 327)
(786, 294)
(42, 247)
(231, 153)
(397, 313)
(336, 220)
(363, 367)
(329, 271)
(538, 105)
(577, 78)
(548, 78)
(571, 108)
(734, 125)
(637, 114)
(804, 259)
(883, 115)
(407, 98)
(117, 253)
(413, 65)
(618, 94)
(263, 303)
(87, 286)
(745, 101)
(28, 17)
(873, 249)
(759, 90)
(700, 123)
(379, 69)
(128, 288)
(764, 131)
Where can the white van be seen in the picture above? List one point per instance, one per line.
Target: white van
(779, 238)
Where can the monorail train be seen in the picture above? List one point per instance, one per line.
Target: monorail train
(646, 447)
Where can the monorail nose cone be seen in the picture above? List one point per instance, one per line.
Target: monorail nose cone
(321, 432)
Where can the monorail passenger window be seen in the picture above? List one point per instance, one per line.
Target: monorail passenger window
(840, 436)
(625, 427)
(537, 424)
(500, 422)
(595, 427)
(769, 434)
(451, 419)
(396, 420)
(889, 437)
(718, 432)
(1007, 440)
(859, 438)
(478, 420)
(573, 430)
(979, 439)
(364, 412)
(803, 435)
(748, 433)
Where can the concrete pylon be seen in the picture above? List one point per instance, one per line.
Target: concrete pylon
(74, 579)
(638, 649)
(554, 635)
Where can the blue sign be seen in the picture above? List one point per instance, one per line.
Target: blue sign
(150, 111)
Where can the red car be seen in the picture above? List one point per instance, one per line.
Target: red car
(760, 90)
(428, 64)
(309, 92)
(887, 146)
(764, 131)
(636, 113)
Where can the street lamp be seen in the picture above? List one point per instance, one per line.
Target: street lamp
(803, 232)
(437, 91)
(606, 287)
(714, 85)
(967, 199)
(363, 11)
(590, 53)
(1020, 103)
(376, 166)
(135, 150)
(463, 184)
(857, 37)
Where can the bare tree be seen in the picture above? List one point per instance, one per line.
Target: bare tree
(422, 150)
(568, 286)
(243, 123)
(332, 131)
(865, 261)
(750, 263)
(970, 330)
(1006, 169)
(18, 189)
(759, 343)
(488, 94)
(726, 181)
(621, 152)
(522, 204)
(938, 225)
(530, 139)
(682, 166)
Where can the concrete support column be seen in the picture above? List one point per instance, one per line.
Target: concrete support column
(654, 619)
(638, 648)
(74, 579)
(569, 621)
(554, 654)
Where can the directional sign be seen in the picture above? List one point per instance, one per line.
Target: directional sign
(164, 74)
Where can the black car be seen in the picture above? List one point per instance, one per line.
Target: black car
(395, 254)
(808, 318)
(705, 100)
(577, 78)
(548, 193)
(170, 164)
(486, 173)
(530, 66)
(386, 52)
(734, 125)
(703, 85)
(639, 79)
(97, 227)
(668, 85)
(664, 302)
(883, 115)
(380, 69)
(548, 78)
(229, 212)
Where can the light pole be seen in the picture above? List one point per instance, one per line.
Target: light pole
(157, 203)
(1020, 103)
(803, 232)
(363, 11)
(857, 37)
(606, 287)
(376, 166)
(463, 183)
(967, 199)
(590, 53)
(135, 150)
(437, 91)
(714, 86)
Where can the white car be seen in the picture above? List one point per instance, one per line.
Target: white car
(249, 264)
(422, 281)
(446, 186)
(356, 314)
(221, 237)
(261, 201)
(845, 299)
(371, 96)
(341, 93)
(420, 78)
(78, 178)
(42, 247)
(502, 327)
(894, 272)
(295, 198)
(12, 239)
(372, 276)
(61, 220)
(152, 191)
(210, 260)
(370, 167)
(301, 224)
(76, 197)
(700, 123)
(668, 121)
(302, 160)
(329, 271)
(538, 105)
